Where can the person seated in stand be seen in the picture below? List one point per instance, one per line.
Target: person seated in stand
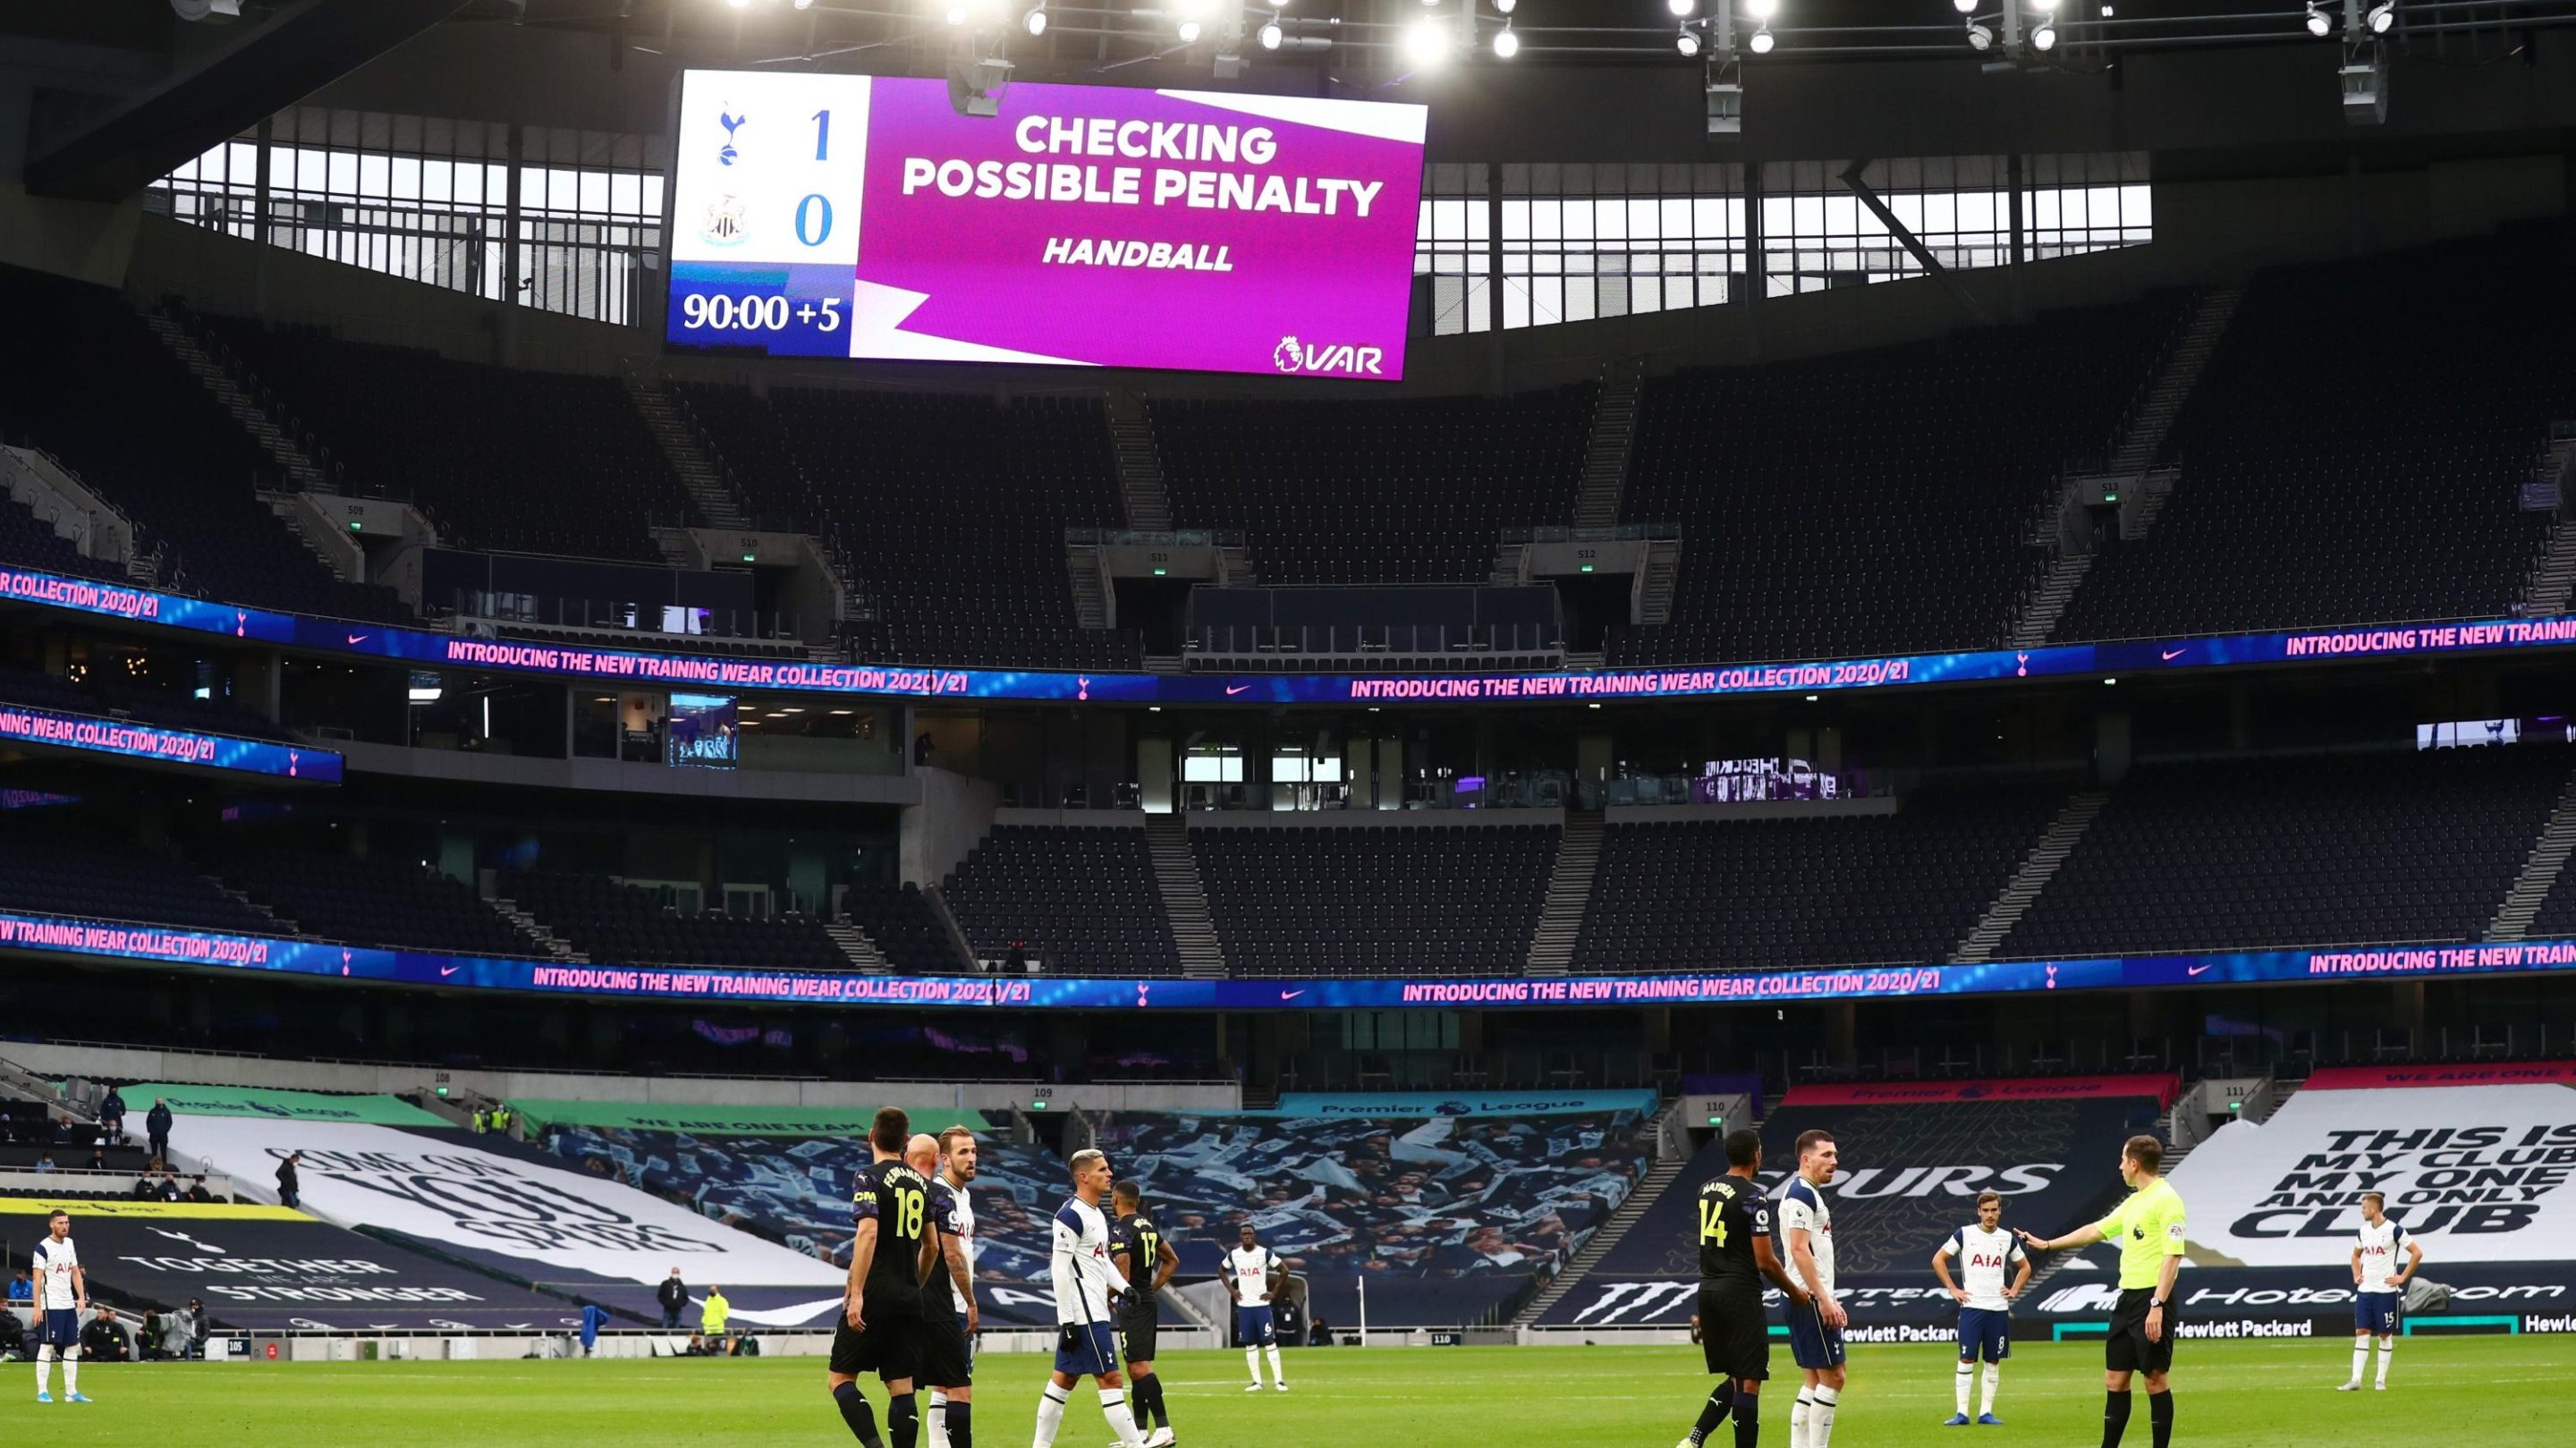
(168, 1188)
(197, 1189)
(97, 1158)
(104, 1342)
(155, 1339)
(145, 1189)
(697, 1345)
(22, 1288)
(45, 1162)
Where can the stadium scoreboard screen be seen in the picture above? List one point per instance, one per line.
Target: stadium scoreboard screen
(864, 217)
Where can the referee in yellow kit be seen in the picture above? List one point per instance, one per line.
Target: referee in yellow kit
(2149, 1228)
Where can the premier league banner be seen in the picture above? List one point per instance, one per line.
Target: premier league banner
(2474, 1173)
(267, 1267)
(581, 1234)
(866, 217)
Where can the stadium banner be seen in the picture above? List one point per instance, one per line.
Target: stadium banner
(152, 743)
(422, 648)
(2475, 1173)
(85, 1208)
(503, 1214)
(270, 1268)
(1404, 1105)
(818, 215)
(281, 1104)
(169, 945)
(2481, 1073)
(737, 1120)
(2163, 1087)
(2075, 1306)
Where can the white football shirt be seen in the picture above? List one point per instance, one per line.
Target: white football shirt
(1251, 1272)
(1986, 1263)
(1085, 1278)
(54, 1263)
(2381, 1246)
(1803, 1205)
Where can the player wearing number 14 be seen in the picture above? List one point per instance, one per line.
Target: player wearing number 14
(1735, 1255)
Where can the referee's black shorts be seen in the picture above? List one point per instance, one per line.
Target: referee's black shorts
(1734, 1335)
(947, 1357)
(1136, 1334)
(889, 1348)
(2127, 1350)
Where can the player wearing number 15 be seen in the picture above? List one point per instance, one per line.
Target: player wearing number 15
(893, 1250)
(1735, 1254)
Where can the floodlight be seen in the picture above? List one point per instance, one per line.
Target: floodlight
(1426, 41)
(1687, 42)
(1506, 44)
(1269, 35)
(1761, 9)
(1681, 8)
(2044, 38)
(1762, 41)
(1980, 38)
(2382, 16)
(2318, 24)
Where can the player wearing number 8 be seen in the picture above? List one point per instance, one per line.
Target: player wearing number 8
(891, 1255)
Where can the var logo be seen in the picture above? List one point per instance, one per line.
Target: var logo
(1342, 357)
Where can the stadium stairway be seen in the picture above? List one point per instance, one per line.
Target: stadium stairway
(1659, 1176)
(1140, 467)
(2073, 819)
(232, 383)
(2143, 432)
(2540, 870)
(1614, 436)
(534, 928)
(1569, 894)
(2553, 578)
(1176, 871)
(854, 942)
(685, 447)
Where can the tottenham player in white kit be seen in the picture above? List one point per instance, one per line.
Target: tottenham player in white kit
(1253, 1274)
(1087, 1286)
(1815, 1331)
(62, 1295)
(2378, 1287)
(1987, 1254)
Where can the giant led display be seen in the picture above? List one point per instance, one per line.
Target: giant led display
(1084, 226)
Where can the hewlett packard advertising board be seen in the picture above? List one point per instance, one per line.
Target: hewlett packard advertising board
(1088, 226)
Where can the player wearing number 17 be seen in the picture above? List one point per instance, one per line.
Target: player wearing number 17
(893, 1249)
(1735, 1255)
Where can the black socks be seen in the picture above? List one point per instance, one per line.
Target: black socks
(1149, 1402)
(961, 1424)
(2115, 1418)
(856, 1412)
(903, 1415)
(1748, 1420)
(1713, 1412)
(2160, 1416)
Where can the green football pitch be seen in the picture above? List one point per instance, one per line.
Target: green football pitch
(2504, 1391)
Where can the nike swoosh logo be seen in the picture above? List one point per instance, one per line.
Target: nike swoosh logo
(2197, 969)
(2169, 655)
(1237, 689)
(445, 971)
(360, 638)
(1290, 995)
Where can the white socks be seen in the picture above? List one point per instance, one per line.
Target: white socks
(71, 1368)
(1252, 1363)
(1113, 1406)
(1959, 1386)
(1050, 1415)
(1994, 1386)
(45, 1367)
(2387, 1355)
(1798, 1418)
(1280, 1378)
(936, 1417)
(2360, 1357)
(1820, 1417)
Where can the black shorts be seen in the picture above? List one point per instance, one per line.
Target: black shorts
(1733, 1334)
(947, 1358)
(890, 1348)
(1136, 1335)
(2127, 1350)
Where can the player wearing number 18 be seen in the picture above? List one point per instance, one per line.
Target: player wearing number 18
(893, 1250)
(1735, 1254)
